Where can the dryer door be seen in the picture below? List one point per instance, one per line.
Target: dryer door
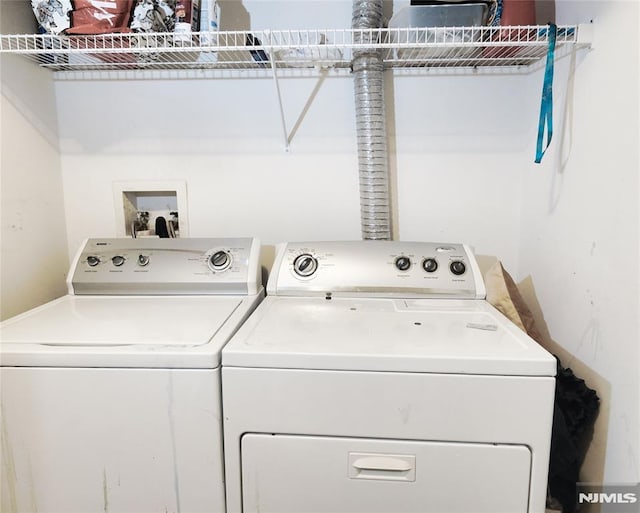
(306, 474)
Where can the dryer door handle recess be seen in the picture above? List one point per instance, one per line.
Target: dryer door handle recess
(392, 467)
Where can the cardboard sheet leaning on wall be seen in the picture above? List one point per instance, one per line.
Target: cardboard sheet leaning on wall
(576, 405)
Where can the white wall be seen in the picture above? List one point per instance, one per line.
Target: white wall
(457, 147)
(34, 246)
(229, 149)
(580, 225)
(459, 158)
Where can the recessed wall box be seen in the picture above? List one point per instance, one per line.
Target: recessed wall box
(151, 209)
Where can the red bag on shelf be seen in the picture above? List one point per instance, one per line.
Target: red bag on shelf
(513, 13)
(518, 12)
(100, 16)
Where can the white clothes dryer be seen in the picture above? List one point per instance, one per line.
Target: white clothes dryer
(375, 377)
(110, 395)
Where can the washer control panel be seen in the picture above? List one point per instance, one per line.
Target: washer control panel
(375, 269)
(166, 266)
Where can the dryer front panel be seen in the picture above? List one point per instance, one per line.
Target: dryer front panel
(310, 474)
(460, 418)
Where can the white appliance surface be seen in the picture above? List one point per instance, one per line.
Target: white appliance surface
(382, 475)
(110, 396)
(375, 377)
(79, 440)
(124, 331)
(446, 336)
(93, 321)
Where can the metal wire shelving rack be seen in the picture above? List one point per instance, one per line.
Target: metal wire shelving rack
(139, 55)
(294, 53)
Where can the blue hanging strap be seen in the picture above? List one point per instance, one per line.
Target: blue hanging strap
(546, 106)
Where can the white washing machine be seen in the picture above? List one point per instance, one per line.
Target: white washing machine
(374, 377)
(110, 395)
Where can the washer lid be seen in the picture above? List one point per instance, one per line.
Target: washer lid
(439, 336)
(132, 331)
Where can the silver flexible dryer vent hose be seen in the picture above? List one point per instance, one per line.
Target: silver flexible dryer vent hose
(373, 161)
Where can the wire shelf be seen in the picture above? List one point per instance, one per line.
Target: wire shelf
(400, 48)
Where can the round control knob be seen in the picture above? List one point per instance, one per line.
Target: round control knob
(117, 260)
(430, 265)
(220, 260)
(305, 265)
(93, 261)
(403, 263)
(143, 260)
(457, 267)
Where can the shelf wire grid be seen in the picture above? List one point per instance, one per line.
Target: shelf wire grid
(401, 48)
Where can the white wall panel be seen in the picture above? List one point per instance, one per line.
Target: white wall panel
(33, 229)
(580, 229)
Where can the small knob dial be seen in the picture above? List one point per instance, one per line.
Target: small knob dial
(93, 260)
(143, 260)
(430, 265)
(117, 260)
(403, 263)
(457, 267)
(305, 265)
(220, 260)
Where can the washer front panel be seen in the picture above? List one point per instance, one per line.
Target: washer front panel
(166, 266)
(117, 440)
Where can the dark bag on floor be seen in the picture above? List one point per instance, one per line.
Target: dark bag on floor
(575, 411)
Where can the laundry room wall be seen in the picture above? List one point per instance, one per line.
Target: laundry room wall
(33, 253)
(579, 248)
(455, 148)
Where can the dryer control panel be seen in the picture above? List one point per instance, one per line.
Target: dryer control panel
(376, 269)
(166, 266)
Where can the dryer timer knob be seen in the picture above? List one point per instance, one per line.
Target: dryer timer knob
(305, 265)
(403, 263)
(220, 260)
(457, 267)
(430, 265)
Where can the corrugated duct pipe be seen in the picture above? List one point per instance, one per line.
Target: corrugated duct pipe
(373, 160)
